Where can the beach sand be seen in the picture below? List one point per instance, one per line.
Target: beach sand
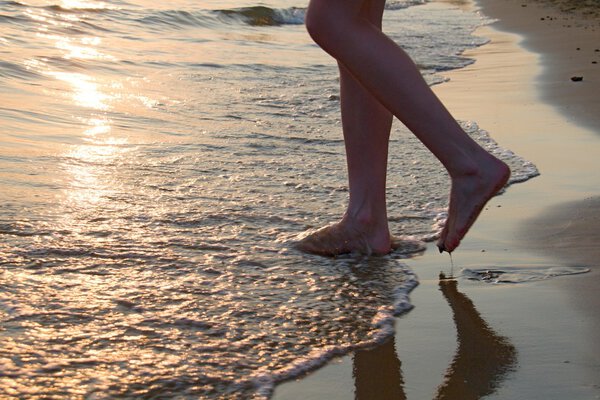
(534, 340)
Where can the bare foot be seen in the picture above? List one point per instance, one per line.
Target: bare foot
(468, 196)
(346, 237)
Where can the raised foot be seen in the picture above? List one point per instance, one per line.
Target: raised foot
(468, 195)
(343, 238)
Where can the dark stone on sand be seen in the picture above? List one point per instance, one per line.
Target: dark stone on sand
(577, 78)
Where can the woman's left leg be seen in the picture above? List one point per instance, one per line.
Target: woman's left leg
(366, 125)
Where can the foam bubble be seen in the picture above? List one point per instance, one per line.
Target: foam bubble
(520, 274)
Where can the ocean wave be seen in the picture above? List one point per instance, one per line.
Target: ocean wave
(265, 16)
(15, 71)
(12, 3)
(176, 19)
(400, 4)
(252, 16)
(95, 6)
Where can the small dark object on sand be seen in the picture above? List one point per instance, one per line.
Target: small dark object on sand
(577, 78)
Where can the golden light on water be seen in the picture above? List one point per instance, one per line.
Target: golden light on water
(86, 185)
(41, 16)
(85, 90)
(88, 157)
(89, 148)
(88, 166)
(97, 126)
(82, 5)
(80, 52)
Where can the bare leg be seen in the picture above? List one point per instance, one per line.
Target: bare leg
(366, 124)
(386, 71)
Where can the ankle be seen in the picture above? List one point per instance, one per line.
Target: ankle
(473, 165)
(365, 217)
(371, 226)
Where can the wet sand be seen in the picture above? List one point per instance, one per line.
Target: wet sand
(538, 340)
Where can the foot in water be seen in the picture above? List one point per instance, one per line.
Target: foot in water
(347, 236)
(468, 195)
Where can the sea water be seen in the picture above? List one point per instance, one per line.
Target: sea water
(157, 162)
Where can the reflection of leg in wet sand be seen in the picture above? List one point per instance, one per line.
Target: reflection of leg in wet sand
(481, 362)
(483, 358)
(377, 374)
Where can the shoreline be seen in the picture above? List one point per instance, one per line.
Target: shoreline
(512, 91)
(562, 33)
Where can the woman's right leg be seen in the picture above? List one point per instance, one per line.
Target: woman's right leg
(388, 73)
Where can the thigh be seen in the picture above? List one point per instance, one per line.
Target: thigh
(344, 10)
(373, 11)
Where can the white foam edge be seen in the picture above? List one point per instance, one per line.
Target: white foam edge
(264, 382)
